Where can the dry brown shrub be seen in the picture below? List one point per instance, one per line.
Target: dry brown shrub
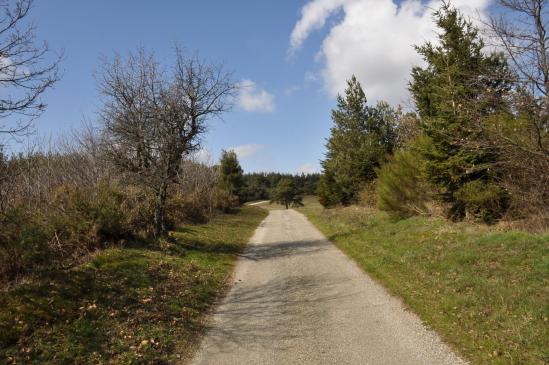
(526, 178)
(367, 195)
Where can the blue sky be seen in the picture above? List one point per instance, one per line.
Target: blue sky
(293, 55)
(249, 37)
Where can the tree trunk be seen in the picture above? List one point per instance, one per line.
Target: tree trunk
(159, 211)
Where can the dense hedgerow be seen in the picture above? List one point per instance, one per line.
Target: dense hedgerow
(484, 201)
(51, 220)
(76, 223)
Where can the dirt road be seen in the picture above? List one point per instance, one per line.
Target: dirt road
(297, 299)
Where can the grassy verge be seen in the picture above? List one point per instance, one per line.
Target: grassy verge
(485, 292)
(144, 304)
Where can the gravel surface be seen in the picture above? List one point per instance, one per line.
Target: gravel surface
(297, 299)
(259, 203)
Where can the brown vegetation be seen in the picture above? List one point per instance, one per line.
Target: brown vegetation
(59, 205)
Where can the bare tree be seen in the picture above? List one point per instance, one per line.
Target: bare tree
(152, 118)
(521, 30)
(26, 68)
(521, 137)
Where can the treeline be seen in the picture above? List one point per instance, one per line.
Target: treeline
(260, 185)
(476, 146)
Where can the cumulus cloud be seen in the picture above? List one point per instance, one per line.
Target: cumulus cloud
(308, 168)
(373, 40)
(253, 99)
(202, 156)
(246, 150)
(313, 16)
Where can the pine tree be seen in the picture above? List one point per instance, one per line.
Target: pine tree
(231, 178)
(359, 140)
(459, 87)
(328, 191)
(286, 193)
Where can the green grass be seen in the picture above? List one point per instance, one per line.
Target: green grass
(486, 292)
(145, 304)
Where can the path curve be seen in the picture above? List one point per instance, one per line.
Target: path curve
(297, 299)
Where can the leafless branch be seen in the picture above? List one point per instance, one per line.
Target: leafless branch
(27, 68)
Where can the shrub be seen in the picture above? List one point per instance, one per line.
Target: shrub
(193, 207)
(225, 201)
(367, 195)
(23, 244)
(75, 223)
(523, 166)
(328, 192)
(138, 208)
(483, 201)
(401, 189)
(89, 219)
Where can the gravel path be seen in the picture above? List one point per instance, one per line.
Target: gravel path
(259, 203)
(297, 299)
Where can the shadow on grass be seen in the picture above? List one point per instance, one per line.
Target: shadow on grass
(211, 247)
(70, 316)
(179, 243)
(343, 235)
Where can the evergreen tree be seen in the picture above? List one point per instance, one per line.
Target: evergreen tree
(328, 191)
(231, 178)
(457, 89)
(256, 187)
(286, 193)
(359, 140)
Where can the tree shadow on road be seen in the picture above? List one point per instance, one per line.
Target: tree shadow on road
(275, 250)
(266, 314)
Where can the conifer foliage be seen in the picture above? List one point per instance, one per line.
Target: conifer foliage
(286, 193)
(476, 145)
(231, 173)
(360, 138)
(455, 92)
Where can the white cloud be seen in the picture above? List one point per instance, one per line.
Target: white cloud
(252, 99)
(308, 168)
(313, 16)
(246, 150)
(373, 40)
(10, 70)
(202, 156)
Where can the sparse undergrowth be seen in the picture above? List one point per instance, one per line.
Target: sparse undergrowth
(144, 304)
(486, 292)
